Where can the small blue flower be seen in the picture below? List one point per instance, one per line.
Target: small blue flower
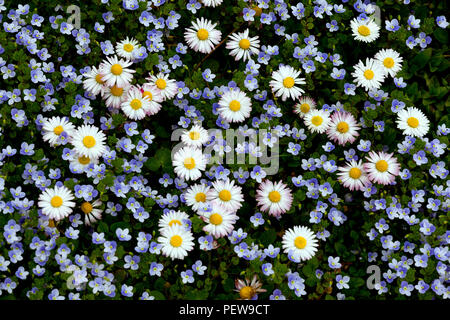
(122, 234)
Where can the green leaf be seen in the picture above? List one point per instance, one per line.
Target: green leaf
(70, 87)
(357, 282)
(162, 159)
(38, 155)
(420, 60)
(102, 227)
(117, 225)
(150, 61)
(196, 295)
(158, 295)
(69, 184)
(268, 237)
(148, 203)
(441, 35)
(341, 249)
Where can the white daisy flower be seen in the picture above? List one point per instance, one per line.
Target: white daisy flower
(211, 3)
(53, 127)
(369, 75)
(274, 198)
(301, 242)
(78, 163)
(202, 37)
(366, 31)
(89, 141)
(247, 289)
(228, 194)
(284, 82)
(114, 96)
(220, 221)
(195, 137)
(353, 175)
(189, 163)
(93, 82)
(171, 218)
(304, 106)
(343, 128)
(167, 87)
(125, 48)
(91, 212)
(391, 61)
(153, 94)
(136, 106)
(242, 46)
(176, 241)
(56, 202)
(116, 72)
(381, 167)
(413, 122)
(317, 120)
(234, 106)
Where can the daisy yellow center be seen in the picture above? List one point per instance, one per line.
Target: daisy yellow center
(161, 84)
(189, 163)
(174, 221)
(58, 130)
(300, 242)
(388, 62)
(354, 173)
(381, 165)
(274, 196)
(368, 74)
(235, 105)
(128, 47)
(244, 44)
(116, 91)
(364, 31)
(246, 292)
(215, 219)
(342, 127)
(116, 69)
(194, 135)
(86, 207)
(202, 34)
(56, 202)
(200, 197)
(413, 122)
(317, 120)
(84, 160)
(288, 82)
(176, 241)
(148, 94)
(305, 107)
(98, 78)
(89, 141)
(136, 104)
(225, 195)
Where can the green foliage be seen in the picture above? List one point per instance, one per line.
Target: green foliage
(425, 70)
